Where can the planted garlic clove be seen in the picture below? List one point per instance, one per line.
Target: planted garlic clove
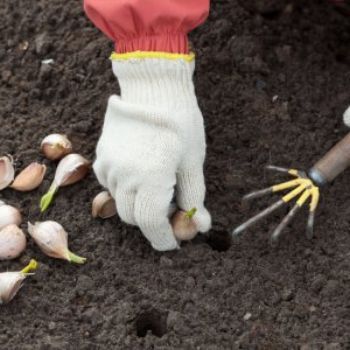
(56, 146)
(29, 178)
(103, 206)
(183, 225)
(52, 239)
(12, 242)
(11, 282)
(9, 215)
(7, 171)
(71, 169)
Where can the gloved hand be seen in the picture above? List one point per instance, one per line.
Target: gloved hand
(153, 139)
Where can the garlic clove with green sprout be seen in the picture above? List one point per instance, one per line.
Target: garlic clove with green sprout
(12, 242)
(7, 171)
(103, 206)
(71, 169)
(56, 146)
(9, 215)
(11, 282)
(30, 177)
(184, 227)
(52, 239)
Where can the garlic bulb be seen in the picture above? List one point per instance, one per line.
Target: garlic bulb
(9, 215)
(56, 146)
(52, 239)
(29, 178)
(70, 170)
(12, 242)
(103, 206)
(7, 171)
(183, 226)
(11, 282)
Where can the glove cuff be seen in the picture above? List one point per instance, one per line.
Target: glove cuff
(156, 79)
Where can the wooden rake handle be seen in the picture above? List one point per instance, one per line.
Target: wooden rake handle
(334, 162)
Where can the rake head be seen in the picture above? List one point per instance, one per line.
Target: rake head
(301, 188)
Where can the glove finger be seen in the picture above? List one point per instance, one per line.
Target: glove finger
(101, 173)
(151, 215)
(125, 200)
(112, 182)
(346, 117)
(191, 193)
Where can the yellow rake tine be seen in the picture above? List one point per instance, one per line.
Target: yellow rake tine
(287, 219)
(288, 197)
(273, 189)
(285, 185)
(315, 197)
(303, 198)
(293, 172)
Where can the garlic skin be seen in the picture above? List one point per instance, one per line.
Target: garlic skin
(183, 226)
(71, 169)
(52, 239)
(56, 146)
(11, 282)
(29, 178)
(7, 171)
(103, 206)
(9, 215)
(12, 242)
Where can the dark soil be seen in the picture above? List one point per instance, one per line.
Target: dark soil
(130, 297)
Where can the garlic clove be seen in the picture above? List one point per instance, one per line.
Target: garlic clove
(52, 239)
(103, 206)
(11, 282)
(12, 242)
(9, 215)
(29, 178)
(56, 146)
(71, 169)
(183, 226)
(7, 171)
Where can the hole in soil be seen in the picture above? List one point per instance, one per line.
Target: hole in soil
(219, 241)
(271, 15)
(152, 321)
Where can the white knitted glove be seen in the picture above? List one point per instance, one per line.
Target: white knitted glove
(346, 117)
(153, 139)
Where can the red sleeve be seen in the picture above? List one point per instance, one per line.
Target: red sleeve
(148, 25)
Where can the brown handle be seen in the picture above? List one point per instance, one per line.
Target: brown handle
(336, 160)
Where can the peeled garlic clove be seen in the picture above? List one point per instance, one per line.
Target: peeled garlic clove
(7, 171)
(52, 239)
(29, 178)
(56, 146)
(103, 206)
(12, 242)
(11, 282)
(9, 215)
(71, 169)
(184, 227)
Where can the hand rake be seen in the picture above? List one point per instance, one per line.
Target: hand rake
(304, 188)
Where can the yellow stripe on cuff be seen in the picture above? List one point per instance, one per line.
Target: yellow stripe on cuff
(152, 54)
